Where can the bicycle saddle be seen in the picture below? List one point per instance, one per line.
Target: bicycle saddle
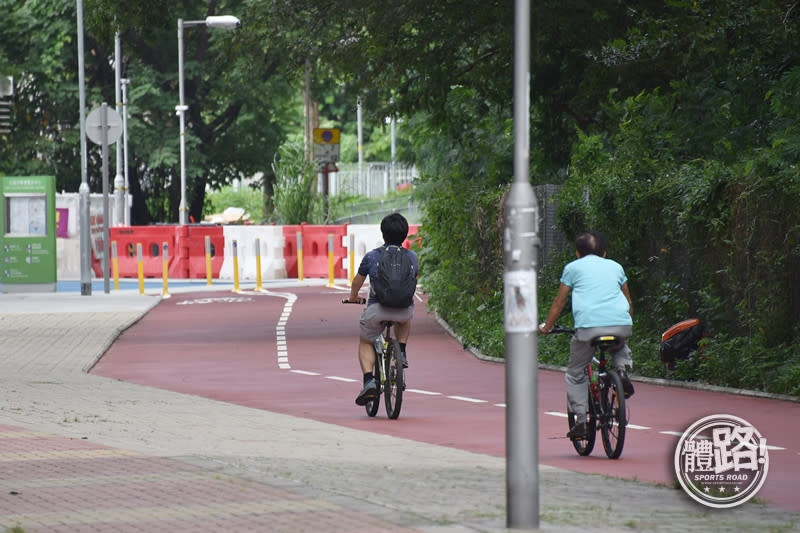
(606, 341)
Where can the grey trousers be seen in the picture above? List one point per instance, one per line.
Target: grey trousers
(580, 353)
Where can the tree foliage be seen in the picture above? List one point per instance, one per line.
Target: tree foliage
(37, 50)
(702, 167)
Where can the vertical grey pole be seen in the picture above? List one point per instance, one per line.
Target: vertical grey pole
(119, 182)
(393, 176)
(126, 208)
(104, 152)
(83, 190)
(519, 288)
(309, 142)
(361, 187)
(183, 206)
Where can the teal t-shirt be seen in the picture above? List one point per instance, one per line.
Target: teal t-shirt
(596, 296)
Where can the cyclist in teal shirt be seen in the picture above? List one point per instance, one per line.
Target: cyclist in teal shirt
(601, 305)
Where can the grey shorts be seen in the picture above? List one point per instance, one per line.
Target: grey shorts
(375, 314)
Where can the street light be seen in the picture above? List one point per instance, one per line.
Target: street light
(225, 22)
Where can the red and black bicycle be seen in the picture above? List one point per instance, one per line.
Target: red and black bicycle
(607, 412)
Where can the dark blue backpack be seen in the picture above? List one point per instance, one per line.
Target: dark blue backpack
(395, 281)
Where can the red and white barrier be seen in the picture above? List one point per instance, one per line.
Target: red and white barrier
(277, 248)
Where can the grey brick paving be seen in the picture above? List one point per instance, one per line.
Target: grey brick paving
(49, 341)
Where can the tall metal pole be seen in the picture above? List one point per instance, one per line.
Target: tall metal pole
(126, 208)
(393, 176)
(361, 188)
(181, 109)
(227, 22)
(106, 234)
(309, 142)
(83, 190)
(119, 182)
(520, 240)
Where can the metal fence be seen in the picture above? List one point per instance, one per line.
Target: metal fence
(373, 180)
(553, 241)
(372, 212)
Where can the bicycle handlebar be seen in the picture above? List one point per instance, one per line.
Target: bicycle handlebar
(561, 329)
(361, 301)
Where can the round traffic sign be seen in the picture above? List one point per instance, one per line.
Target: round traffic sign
(94, 125)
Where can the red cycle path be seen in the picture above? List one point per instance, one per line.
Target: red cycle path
(226, 346)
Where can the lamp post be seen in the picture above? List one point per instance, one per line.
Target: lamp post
(226, 22)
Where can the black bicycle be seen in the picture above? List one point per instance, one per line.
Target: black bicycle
(388, 372)
(606, 401)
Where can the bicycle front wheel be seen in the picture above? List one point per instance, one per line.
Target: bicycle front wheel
(613, 418)
(395, 383)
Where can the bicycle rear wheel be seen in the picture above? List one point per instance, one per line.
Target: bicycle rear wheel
(585, 446)
(372, 405)
(395, 383)
(613, 418)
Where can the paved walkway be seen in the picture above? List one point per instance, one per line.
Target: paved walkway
(84, 453)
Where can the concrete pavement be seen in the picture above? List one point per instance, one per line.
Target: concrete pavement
(84, 453)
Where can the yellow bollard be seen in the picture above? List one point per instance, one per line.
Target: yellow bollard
(299, 256)
(165, 269)
(115, 264)
(208, 260)
(330, 261)
(258, 265)
(352, 253)
(140, 267)
(235, 267)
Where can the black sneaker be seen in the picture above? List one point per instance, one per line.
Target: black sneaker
(578, 432)
(368, 393)
(404, 359)
(627, 386)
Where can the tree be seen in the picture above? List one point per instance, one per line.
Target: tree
(36, 41)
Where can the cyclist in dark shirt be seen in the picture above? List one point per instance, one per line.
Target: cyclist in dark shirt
(394, 228)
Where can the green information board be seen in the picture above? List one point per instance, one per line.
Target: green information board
(28, 233)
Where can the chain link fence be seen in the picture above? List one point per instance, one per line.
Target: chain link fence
(553, 241)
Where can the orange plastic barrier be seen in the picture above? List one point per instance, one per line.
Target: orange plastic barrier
(186, 245)
(151, 238)
(315, 250)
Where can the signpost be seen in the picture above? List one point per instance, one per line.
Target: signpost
(326, 153)
(326, 145)
(104, 127)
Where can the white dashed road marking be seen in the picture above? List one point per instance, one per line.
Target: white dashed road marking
(425, 392)
(465, 399)
(283, 363)
(701, 437)
(339, 378)
(306, 373)
(280, 328)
